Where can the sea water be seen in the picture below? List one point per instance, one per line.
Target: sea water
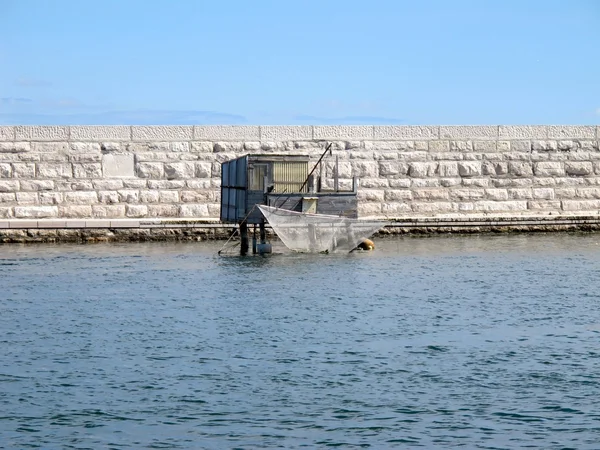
(488, 342)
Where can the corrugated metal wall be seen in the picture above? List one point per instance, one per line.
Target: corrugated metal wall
(289, 176)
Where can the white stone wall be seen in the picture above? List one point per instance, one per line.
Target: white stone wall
(405, 171)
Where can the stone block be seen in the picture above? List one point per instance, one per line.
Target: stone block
(107, 185)
(388, 146)
(367, 169)
(169, 196)
(439, 146)
(35, 185)
(87, 170)
(402, 183)
(199, 184)
(494, 168)
(395, 195)
(422, 169)
(568, 146)
(7, 133)
(100, 133)
(468, 132)
(149, 196)
(501, 206)
(50, 170)
(198, 196)
(60, 148)
(202, 147)
(228, 147)
(15, 147)
(549, 169)
(41, 133)
(369, 209)
(432, 207)
(6, 212)
(370, 195)
(150, 169)
(343, 132)
(285, 133)
(520, 193)
(84, 147)
(392, 168)
(513, 132)
(467, 194)
(543, 193)
(166, 184)
(163, 210)
(129, 196)
(7, 197)
(108, 197)
(27, 198)
(108, 211)
(389, 209)
(416, 183)
(496, 194)
(571, 132)
(193, 210)
(9, 186)
(580, 205)
(461, 146)
(85, 158)
(520, 168)
(544, 146)
(118, 165)
(75, 211)
(162, 133)
(579, 168)
(179, 170)
(203, 170)
(447, 169)
(406, 132)
(50, 198)
(449, 182)
(81, 197)
(589, 192)
(6, 170)
(431, 194)
(469, 168)
(485, 146)
(476, 182)
(35, 212)
(136, 210)
(23, 170)
(226, 133)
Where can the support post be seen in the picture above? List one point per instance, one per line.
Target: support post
(263, 232)
(244, 234)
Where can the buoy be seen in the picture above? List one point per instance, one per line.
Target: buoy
(366, 244)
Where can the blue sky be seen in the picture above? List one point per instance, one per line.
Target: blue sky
(300, 62)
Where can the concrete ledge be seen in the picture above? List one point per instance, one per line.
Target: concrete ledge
(100, 133)
(162, 133)
(464, 132)
(7, 133)
(165, 133)
(41, 133)
(227, 133)
(522, 132)
(286, 133)
(343, 132)
(405, 132)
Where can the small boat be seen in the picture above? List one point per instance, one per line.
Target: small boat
(319, 233)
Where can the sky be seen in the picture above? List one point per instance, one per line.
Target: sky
(297, 62)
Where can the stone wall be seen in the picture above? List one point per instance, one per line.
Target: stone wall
(113, 172)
